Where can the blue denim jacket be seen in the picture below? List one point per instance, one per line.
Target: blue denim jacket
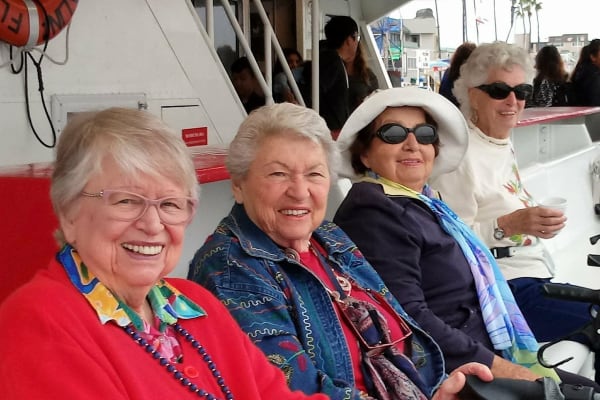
(286, 310)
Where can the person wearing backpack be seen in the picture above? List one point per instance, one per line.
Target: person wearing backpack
(550, 82)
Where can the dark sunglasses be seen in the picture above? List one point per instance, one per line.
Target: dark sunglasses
(394, 133)
(500, 90)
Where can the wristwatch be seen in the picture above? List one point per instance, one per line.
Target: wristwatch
(498, 232)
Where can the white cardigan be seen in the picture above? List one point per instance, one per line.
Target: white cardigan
(486, 186)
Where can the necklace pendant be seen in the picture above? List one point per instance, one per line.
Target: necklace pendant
(344, 284)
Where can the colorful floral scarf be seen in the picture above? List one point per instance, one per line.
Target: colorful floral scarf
(503, 319)
(168, 303)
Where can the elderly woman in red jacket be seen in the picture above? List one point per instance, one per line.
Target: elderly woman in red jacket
(102, 321)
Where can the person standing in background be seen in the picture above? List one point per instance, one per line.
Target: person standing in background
(586, 76)
(458, 59)
(550, 82)
(340, 46)
(361, 79)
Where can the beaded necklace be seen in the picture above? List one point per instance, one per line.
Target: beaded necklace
(178, 375)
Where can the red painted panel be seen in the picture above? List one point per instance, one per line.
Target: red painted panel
(533, 116)
(28, 222)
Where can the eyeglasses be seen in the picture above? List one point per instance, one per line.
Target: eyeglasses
(500, 90)
(395, 133)
(127, 206)
(356, 37)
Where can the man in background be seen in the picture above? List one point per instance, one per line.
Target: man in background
(342, 38)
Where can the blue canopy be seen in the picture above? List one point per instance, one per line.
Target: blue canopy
(385, 25)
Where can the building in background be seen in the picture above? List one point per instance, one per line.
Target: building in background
(388, 36)
(569, 46)
(408, 48)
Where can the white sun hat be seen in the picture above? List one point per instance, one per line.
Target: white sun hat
(451, 125)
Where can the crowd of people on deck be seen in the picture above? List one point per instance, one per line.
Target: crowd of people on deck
(431, 269)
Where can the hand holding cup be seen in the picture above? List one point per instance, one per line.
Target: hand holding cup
(554, 203)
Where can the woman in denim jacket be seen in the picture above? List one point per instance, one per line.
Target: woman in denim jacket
(275, 264)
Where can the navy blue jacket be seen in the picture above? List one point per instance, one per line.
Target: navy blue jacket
(422, 265)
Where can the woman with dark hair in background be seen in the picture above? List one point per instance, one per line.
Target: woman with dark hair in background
(586, 75)
(460, 56)
(550, 82)
(361, 80)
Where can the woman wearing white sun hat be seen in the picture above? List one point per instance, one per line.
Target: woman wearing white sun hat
(437, 268)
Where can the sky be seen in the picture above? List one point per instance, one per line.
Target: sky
(556, 17)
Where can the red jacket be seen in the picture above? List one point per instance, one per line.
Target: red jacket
(53, 346)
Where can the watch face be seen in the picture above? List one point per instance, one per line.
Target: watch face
(498, 234)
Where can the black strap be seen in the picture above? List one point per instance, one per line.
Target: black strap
(500, 252)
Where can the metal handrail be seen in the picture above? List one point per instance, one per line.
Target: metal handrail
(271, 41)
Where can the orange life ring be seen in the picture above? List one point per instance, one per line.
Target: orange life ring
(26, 23)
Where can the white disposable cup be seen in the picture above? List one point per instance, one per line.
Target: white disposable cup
(556, 203)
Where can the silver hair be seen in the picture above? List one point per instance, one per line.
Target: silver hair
(273, 120)
(475, 70)
(137, 141)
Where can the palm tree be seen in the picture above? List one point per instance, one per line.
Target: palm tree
(495, 25)
(477, 21)
(537, 6)
(464, 10)
(521, 9)
(437, 23)
(527, 8)
(513, 9)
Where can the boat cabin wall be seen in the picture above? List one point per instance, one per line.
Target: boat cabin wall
(152, 53)
(119, 52)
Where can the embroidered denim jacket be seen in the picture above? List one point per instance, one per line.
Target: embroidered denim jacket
(287, 312)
